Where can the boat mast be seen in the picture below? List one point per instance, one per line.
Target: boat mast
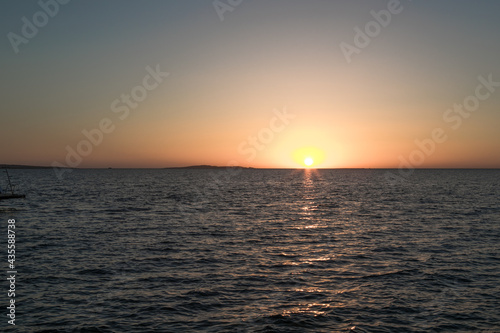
(10, 184)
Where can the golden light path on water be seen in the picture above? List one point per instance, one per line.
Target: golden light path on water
(308, 209)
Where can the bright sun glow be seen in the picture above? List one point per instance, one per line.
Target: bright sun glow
(309, 156)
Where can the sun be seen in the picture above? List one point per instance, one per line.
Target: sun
(308, 156)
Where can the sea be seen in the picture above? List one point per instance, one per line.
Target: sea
(254, 250)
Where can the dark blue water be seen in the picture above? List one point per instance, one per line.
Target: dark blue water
(256, 251)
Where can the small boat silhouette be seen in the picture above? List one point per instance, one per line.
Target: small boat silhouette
(11, 195)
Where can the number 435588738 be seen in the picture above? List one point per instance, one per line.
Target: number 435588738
(11, 235)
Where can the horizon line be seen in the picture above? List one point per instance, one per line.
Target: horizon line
(207, 166)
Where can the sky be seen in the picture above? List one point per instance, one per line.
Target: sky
(275, 84)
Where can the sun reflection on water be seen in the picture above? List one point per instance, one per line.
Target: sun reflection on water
(309, 203)
(315, 309)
